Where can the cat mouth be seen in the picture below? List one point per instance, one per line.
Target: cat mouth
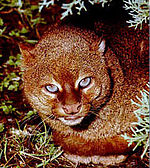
(71, 120)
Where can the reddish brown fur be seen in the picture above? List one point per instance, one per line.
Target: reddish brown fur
(85, 147)
(65, 54)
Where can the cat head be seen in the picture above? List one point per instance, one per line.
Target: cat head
(66, 74)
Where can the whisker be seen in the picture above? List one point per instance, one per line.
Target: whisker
(40, 124)
(35, 116)
(95, 111)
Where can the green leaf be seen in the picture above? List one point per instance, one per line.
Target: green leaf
(30, 113)
(2, 30)
(18, 167)
(1, 88)
(1, 127)
(1, 22)
(11, 87)
(24, 30)
(2, 8)
(6, 84)
(31, 41)
(34, 7)
(10, 62)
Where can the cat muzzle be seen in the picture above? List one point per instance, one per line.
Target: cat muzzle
(71, 120)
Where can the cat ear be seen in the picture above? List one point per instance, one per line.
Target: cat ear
(98, 45)
(101, 47)
(27, 59)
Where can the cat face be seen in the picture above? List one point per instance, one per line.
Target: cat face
(64, 78)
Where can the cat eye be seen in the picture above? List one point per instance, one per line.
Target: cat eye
(52, 88)
(85, 82)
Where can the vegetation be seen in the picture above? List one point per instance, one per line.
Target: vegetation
(41, 149)
(23, 144)
(28, 19)
(79, 5)
(140, 128)
(138, 9)
(20, 144)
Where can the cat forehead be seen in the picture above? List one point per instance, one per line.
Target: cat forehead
(63, 63)
(66, 51)
(56, 46)
(66, 39)
(70, 32)
(66, 54)
(68, 66)
(65, 79)
(62, 72)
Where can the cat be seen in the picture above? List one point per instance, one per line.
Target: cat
(75, 82)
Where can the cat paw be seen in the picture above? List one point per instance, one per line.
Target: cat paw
(110, 160)
(105, 160)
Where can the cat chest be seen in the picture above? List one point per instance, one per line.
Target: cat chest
(77, 145)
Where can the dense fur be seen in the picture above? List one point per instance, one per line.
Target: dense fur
(86, 122)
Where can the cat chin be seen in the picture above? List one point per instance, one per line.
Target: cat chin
(71, 122)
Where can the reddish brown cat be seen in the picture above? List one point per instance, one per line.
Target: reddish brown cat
(78, 87)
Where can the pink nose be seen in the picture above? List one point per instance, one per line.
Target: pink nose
(72, 108)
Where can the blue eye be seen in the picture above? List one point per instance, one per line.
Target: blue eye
(85, 82)
(52, 88)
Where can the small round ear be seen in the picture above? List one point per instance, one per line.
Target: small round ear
(98, 45)
(27, 59)
(102, 45)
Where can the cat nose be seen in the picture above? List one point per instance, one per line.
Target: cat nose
(72, 108)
